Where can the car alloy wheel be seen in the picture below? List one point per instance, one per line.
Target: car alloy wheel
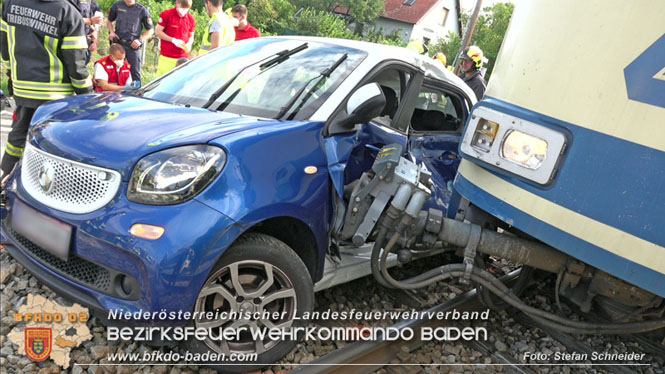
(258, 274)
(249, 288)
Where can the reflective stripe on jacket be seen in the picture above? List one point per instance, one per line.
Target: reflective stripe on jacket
(46, 46)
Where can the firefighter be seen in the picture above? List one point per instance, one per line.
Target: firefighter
(130, 19)
(419, 46)
(472, 61)
(219, 31)
(46, 46)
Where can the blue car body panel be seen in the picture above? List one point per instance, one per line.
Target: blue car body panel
(167, 269)
(440, 155)
(269, 163)
(115, 131)
(264, 178)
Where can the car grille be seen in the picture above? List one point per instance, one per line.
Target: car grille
(75, 268)
(66, 185)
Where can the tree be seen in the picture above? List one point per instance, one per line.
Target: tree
(272, 17)
(321, 23)
(359, 12)
(375, 35)
(488, 34)
(450, 46)
(491, 28)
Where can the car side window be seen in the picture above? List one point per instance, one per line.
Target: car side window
(393, 82)
(437, 111)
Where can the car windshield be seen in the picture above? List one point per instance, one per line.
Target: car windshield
(253, 79)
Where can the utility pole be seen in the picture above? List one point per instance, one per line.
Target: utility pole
(466, 40)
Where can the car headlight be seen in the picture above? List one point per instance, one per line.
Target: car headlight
(524, 148)
(175, 175)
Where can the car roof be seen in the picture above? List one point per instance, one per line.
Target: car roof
(376, 53)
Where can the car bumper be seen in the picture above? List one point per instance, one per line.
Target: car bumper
(164, 274)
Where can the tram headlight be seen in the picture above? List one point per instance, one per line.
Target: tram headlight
(521, 147)
(524, 149)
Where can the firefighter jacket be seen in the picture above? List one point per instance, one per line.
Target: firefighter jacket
(476, 82)
(46, 46)
(116, 76)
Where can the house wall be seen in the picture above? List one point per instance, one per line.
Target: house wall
(430, 25)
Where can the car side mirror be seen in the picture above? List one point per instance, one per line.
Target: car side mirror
(366, 103)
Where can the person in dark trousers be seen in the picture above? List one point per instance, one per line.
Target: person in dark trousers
(472, 61)
(130, 19)
(93, 19)
(48, 47)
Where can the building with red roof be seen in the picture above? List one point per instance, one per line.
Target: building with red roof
(418, 19)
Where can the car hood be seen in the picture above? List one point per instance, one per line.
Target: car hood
(116, 130)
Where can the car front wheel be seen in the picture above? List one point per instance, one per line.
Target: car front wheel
(259, 284)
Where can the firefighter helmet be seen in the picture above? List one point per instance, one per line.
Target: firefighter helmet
(474, 54)
(440, 57)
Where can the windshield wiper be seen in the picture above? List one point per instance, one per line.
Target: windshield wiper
(267, 62)
(323, 75)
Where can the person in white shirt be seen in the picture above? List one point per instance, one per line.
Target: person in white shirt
(113, 73)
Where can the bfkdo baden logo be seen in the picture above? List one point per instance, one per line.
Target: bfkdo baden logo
(38, 343)
(47, 330)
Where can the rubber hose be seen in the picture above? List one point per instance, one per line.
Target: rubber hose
(506, 294)
(374, 259)
(498, 288)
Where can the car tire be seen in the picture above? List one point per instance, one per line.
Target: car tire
(254, 270)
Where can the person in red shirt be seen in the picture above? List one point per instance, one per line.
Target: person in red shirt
(176, 30)
(113, 73)
(244, 30)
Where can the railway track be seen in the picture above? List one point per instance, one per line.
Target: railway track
(389, 356)
(369, 356)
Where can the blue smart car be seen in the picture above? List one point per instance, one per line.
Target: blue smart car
(221, 186)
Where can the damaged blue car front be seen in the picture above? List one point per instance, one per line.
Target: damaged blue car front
(218, 187)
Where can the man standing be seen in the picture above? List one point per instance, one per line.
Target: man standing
(176, 30)
(130, 18)
(113, 73)
(93, 19)
(45, 44)
(219, 31)
(472, 61)
(244, 30)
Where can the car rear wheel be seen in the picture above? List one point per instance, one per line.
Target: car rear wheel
(264, 281)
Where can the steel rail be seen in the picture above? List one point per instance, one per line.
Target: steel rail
(369, 356)
(573, 344)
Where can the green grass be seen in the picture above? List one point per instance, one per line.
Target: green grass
(3, 82)
(3, 77)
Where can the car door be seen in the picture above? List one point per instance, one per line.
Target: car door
(435, 127)
(350, 154)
